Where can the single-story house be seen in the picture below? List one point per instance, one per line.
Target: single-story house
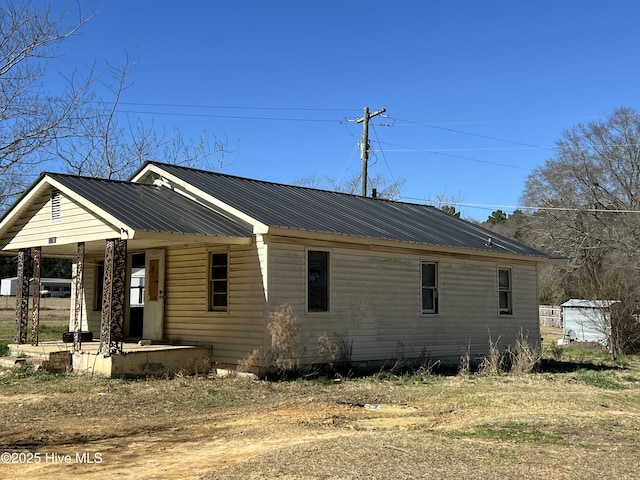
(586, 320)
(221, 253)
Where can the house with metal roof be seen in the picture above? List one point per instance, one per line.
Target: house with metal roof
(220, 253)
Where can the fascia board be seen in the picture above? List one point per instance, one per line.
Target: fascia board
(127, 232)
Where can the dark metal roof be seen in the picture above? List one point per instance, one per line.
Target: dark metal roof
(287, 206)
(151, 208)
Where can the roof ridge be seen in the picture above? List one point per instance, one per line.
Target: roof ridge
(289, 185)
(86, 177)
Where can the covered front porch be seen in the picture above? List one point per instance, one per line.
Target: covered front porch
(116, 234)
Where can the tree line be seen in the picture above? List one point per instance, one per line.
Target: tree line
(586, 210)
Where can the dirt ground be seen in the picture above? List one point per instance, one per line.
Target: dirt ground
(186, 447)
(548, 425)
(296, 434)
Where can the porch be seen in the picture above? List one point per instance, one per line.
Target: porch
(135, 360)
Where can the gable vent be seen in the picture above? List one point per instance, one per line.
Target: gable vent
(55, 206)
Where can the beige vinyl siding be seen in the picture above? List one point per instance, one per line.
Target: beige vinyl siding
(287, 276)
(90, 318)
(234, 333)
(375, 300)
(76, 224)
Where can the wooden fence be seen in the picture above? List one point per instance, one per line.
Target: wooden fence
(550, 315)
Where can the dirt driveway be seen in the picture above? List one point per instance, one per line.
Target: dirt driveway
(185, 447)
(551, 426)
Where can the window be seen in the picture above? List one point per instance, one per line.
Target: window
(429, 287)
(55, 206)
(318, 281)
(219, 283)
(504, 291)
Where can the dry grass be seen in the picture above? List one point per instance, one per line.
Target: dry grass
(54, 319)
(559, 425)
(578, 421)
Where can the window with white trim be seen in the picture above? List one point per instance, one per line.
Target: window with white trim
(429, 287)
(219, 282)
(505, 300)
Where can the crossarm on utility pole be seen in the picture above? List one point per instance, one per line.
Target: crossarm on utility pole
(364, 145)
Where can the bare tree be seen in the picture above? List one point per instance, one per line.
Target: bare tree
(590, 192)
(352, 185)
(74, 128)
(31, 119)
(106, 145)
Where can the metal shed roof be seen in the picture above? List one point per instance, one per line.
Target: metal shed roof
(580, 303)
(301, 208)
(151, 208)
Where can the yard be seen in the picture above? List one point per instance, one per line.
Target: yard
(579, 418)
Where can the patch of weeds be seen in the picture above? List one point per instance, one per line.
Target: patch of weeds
(597, 379)
(525, 358)
(494, 363)
(285, 336)
(556, 351)
(464, 367)
(4, 349)
(621, 362)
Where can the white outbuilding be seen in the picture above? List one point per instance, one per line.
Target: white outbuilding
(586, 320)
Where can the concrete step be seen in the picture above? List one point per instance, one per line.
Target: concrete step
(52, 361)
(13, 361)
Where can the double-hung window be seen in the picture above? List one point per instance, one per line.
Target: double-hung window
(219, 282)
(317, 281)
(505, 301)
(429, 287)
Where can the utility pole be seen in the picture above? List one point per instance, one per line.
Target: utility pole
(364, 144)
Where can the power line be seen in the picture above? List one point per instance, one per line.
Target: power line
(487, 137)
(524, 207)
(237, 107)
(434, 152)
(375, 132)
(237, 117)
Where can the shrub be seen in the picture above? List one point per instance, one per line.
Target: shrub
(525, 358)
(285, 335)
(327, 349)
(494, 362)
(464, 368)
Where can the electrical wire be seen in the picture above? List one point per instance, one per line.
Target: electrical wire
(435, 152)
(430, 125)
(237, 117)
(236, 107)
(485, 206)
(375, 132)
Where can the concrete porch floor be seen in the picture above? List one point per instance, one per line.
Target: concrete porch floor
(135, 361)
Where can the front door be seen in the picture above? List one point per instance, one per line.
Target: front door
(152, 325)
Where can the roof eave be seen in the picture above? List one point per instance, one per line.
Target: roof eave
(381, 242)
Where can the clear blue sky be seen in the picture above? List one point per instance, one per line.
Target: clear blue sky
(476, 92)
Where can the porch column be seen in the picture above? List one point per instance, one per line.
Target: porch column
(78, 295)
(35, 314)
(115, 265)
(22, 296)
